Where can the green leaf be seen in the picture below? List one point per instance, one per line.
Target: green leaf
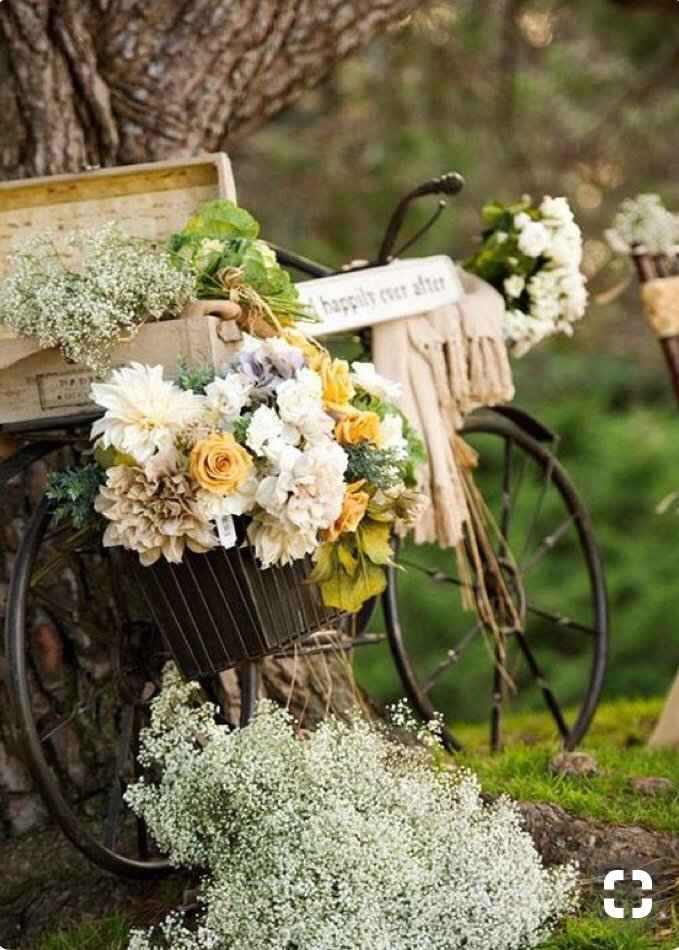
(222, 219)
(325, 564)
(350, 593)
(373, 541)
(347, 558)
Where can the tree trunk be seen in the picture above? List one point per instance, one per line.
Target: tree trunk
(93, 82)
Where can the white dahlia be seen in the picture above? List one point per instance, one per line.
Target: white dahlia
(144, 412)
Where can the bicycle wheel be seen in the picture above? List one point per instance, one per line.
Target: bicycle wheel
(552, 655)
(61, 712)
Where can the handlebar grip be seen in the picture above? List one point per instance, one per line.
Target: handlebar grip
(449, 184)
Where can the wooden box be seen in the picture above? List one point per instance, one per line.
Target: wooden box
(150, 201)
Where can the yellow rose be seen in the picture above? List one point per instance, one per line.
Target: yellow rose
(313, 352)
(358, 426)
(353, 508)
(219, 464)
(337, 386)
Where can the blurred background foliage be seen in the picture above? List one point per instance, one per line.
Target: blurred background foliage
(577, 98)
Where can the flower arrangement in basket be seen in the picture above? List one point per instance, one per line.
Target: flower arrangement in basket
(532, 255)
(258, 498)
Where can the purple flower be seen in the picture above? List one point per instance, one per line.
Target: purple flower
(268, 365)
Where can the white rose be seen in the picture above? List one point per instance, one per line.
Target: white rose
(391, 435)
(366, 376)
(534, 239)
(514, 285)
(521, 220)
(228, 396)
(564, 251)
(556, 209)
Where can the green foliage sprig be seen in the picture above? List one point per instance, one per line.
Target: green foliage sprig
(73, 493)
(382, 468)
(195, 379)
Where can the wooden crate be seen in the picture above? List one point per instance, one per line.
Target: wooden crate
(150, 201)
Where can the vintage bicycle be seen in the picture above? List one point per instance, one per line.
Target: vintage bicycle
(560, 617)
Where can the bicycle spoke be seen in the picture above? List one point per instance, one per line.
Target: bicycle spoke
(496, 709)
(548, 542)
(77, 710)
(506, 508)
(115, 801)
(539, 676)
(546, 481)
(452, 657)
(559, 621)
(434, 574)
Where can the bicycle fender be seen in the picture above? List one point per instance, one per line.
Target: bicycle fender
(529, 424)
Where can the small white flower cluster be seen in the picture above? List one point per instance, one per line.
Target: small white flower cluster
(342, 839)
(85, 290)
(553, 296)
(643, 225)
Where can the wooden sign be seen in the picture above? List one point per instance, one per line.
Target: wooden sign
(355, 299)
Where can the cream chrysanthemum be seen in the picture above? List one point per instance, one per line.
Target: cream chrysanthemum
(144, 412)
(155, 514)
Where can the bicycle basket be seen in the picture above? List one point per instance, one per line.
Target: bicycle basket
(219, 609)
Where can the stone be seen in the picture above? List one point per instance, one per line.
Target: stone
(574, 763)
(652, 786)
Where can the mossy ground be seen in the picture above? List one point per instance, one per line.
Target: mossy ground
(617, 741)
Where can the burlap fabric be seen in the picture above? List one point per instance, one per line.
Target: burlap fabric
(448, 362)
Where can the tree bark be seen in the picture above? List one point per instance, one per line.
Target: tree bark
(107, 83)
(96, 82)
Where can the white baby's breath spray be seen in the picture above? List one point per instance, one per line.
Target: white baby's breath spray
(344, 839)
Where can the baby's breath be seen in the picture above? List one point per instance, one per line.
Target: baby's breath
(90, 290)
(345, 839)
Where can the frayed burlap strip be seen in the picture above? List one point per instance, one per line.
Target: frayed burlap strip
(448, 362)
(661, 303)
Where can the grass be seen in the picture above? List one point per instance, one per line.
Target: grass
(590, 932)
(111, 933)
(616, 740)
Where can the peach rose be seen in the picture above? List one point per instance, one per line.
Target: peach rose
(219, 464)
(337, 386)
(353, 508)
(358, 426)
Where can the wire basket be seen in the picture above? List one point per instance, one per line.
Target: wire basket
(219, 609)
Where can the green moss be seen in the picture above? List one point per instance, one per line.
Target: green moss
(112, 933)
(616, 740)
(590, 932)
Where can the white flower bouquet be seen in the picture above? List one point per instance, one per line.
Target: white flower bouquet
(643, 225)
(532, 255)
(287, 452)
